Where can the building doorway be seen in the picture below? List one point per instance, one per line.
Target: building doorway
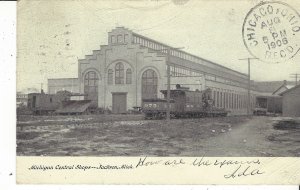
(119, 102)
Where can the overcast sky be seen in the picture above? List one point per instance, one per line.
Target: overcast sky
(53, 34)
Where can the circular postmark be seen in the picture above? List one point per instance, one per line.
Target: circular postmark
(271, 32)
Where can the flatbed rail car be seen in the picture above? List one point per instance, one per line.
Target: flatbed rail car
(183, 104)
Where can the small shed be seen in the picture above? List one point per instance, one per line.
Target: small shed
(291, 102)
(273, 103)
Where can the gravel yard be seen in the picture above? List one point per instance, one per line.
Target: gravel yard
(130, 135)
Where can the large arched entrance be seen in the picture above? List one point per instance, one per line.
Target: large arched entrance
(91, 81)
(149, 84)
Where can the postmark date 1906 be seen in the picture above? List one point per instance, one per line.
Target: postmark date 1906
(271, 32)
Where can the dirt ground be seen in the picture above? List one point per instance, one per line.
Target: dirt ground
(130, 135)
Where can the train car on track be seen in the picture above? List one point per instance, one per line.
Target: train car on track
(183, 104)
(63, 102)
(41, 103)
(157, 108)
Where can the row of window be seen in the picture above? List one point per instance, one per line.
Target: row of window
(149, 77)
(160, 47)
(91, 78)
(177, 71)
(119, 75)
(119, 38)
(224, 81)
(150, 44)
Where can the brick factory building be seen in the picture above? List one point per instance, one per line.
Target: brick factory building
(132, 67)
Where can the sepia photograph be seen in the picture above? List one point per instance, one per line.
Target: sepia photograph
(158, 78)
(158, 91)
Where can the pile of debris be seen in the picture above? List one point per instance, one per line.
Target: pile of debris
(286, 124)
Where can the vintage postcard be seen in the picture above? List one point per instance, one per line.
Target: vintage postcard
(158, 92)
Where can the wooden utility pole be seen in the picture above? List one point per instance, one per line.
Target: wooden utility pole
(168, 49)
(168, 84)
(248, 96)
(42, 88)
(295, 76)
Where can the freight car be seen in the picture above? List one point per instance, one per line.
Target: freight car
(41, 103)
(183, 104)
(63, 102)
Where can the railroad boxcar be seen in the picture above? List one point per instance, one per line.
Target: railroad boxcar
(63, 102)
(41, 103)
(187, 103)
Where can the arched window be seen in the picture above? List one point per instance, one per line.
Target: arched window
(120, 39)
(119, 77)
(110, 76)
(149, 84)
(128, 76)
(113, 39)
(91, 87)
(91, 79)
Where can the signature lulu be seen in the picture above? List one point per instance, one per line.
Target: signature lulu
(237, 168)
